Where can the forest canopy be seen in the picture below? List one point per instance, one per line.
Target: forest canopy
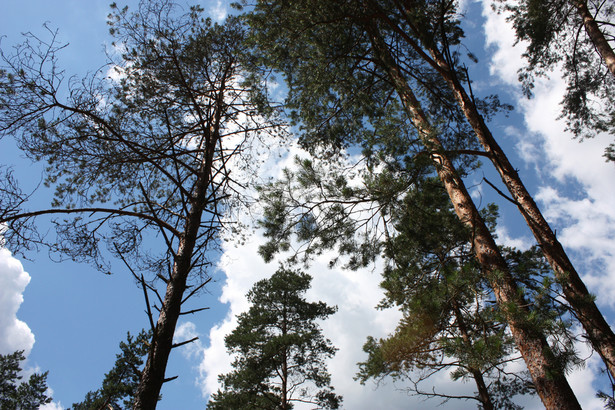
(363, 142)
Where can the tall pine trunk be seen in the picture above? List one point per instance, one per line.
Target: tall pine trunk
(595, 34)
(599, 332)
(549, 379)
(582, 303)
(153, 375)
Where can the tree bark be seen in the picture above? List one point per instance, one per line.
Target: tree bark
(596, 35)
(582, 303)
(548, 378)
(153, 376)
(285, 398)
(598, 330)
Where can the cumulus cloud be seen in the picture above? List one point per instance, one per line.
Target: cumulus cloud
(574, 186)
(545, 148)
(355, 293)
(14, 333)
(574, 191)
(504, 238)
(218, 11)
(184, 332)
(52, 406)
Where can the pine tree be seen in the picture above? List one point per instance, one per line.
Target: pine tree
(449, 322)
(279, 349)
(346, 50)
(121, 382)
(433, 28)
(577, 36)
(140, 161)
(16, 394)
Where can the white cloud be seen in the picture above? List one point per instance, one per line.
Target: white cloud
(184, 332)
(218, 11)
(576, 192)
(243, 267)
(14, 333)
(575, 187)
(356, 293)
(504, 238)
(506, 59)
(528, 147)
(582, 379)
(52, 406)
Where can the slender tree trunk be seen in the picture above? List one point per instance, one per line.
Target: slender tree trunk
(483, 391)
(599, 332)
(153, 376)
(596, 35)
(548, 378)
(285, 404)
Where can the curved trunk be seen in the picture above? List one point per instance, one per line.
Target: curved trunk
(548, 378)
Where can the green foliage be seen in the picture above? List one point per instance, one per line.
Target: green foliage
(342, 100)
(319, 205)
(279, 350)
(339, 94)
(16, 394)
(345, 98)
(141, 151)
(555, 36)
(609, 400)
(449, 323)
(132, 144)
(120, 383)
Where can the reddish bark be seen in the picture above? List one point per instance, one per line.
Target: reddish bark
(549, 380)
(598, 330)
(596, 35)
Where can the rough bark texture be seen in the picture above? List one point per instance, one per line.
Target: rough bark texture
(599, 332)
(550, 381)
(483, 392)
(285, 403)
(596, 35)
(153, 376)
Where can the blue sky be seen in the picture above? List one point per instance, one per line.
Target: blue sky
(72, 317)
(77, 315)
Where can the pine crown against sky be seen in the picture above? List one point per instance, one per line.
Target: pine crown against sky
(69, 319)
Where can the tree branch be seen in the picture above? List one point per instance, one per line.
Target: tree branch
(92, 210)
